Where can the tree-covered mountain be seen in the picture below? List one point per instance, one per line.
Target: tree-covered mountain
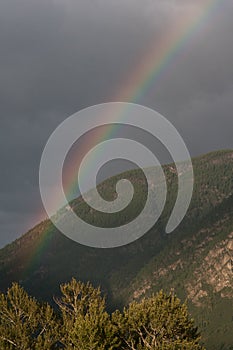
(196, 260)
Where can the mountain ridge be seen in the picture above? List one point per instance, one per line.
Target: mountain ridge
(195, 260)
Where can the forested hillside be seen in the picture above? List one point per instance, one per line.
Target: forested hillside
(196, 260)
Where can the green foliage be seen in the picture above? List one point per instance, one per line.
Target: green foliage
(85, 322)
(160, 322)
(24, 323)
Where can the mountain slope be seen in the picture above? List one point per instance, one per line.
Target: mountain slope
(196, 259)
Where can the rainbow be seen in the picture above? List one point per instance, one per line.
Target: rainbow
(162, 57)
(159, 60)
(154, 66)
(42, 234)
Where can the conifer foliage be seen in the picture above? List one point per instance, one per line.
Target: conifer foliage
(159, 322)
(82, 323)
(24, 323)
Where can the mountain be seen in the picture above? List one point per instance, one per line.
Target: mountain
(196, 260)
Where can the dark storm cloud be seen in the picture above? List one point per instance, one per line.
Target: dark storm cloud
(60, 56)
(55, 56)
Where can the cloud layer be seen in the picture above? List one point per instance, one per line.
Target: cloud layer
(60, 56)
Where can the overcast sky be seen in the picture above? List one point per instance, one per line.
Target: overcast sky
(60, 56)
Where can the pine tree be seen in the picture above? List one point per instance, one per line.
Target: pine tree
(160, 322)
(85, 323)
(24, 323)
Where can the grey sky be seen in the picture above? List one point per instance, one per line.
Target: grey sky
(59, 56)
